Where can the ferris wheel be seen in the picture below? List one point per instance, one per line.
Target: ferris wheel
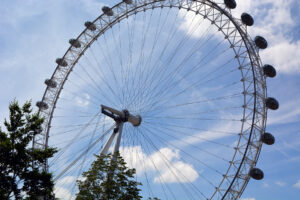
(176, 86)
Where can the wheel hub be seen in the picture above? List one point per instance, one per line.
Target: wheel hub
(121, 116)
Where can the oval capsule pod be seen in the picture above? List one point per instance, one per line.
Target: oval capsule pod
(231, 4)
(269, 71)
(89, 25)
(261, 42)
(272, 103)
(247, 19)
(127, 1)
(42, 105)
(75, 43)
(61, 62)
(268, 138)
(107, 11)
(256, 174)
(50, 83)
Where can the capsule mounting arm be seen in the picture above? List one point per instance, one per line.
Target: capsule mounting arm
(121, 116)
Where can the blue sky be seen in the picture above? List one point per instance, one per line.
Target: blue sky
(34, 33)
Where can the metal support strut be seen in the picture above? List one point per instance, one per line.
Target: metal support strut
(120, 118)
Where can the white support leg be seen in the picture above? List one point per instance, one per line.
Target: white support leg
(118, 141)
(108, 144)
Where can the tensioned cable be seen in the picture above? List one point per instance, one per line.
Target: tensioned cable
(85, 156)
(185, 76)
(173, 31)
(82, 154)
(136, 77)
(98, 70)
(189, 127)
(184, 188)
(185, 38)
(182, 62)
(156, 37)
(198, 174)
(162, 115)
(70, 130)
(193, 157)
(162, 182)
(219, 98)
(77, 135)
(190, 144)
(185, 133)
(149, 189)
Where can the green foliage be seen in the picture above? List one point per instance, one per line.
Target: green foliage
(20, 178)
(109, 179)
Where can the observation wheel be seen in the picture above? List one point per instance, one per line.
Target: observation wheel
(176, 86)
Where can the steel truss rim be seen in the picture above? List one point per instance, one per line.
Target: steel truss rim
(258, 80)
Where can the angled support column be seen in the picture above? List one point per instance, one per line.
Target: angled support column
(120, 118)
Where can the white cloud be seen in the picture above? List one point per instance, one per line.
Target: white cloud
(280, 183)
(62, 193)
(66, 180)
(287, 113)
(171, 168)
(178, 172)
(266, 185)
(83, 101)
(297, 185)
(274, 21)
(248, 199)
(193, 25)
(210, 135)
(284, 54)
(92, 6)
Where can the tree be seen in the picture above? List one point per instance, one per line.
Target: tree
(20, 176)
(108, 179)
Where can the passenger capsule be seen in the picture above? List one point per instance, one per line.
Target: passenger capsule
(269, 71)
(50, 83)
(231, 4)
(127, 1)
(256, 174)
(247, 19)
(75, 43)
(42, 105)
(272, 103)
(268, 138)
(61, 62)
(89, 25)
(261, 42)
(107, 11)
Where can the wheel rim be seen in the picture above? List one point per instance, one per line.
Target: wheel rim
(252, 94)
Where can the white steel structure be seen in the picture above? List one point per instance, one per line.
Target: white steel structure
(177, 86)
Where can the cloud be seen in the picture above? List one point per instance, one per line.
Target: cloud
(193, 24)
(273, 20)
(284, 55)
(62, 193)
(288, 113)
(178, 172)
(266, 185)
(280, 183)
(66, 180)
(92, 6)
(165, 163)
(248, 199)
(203, 136)
(297, 185)
(83, 102)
